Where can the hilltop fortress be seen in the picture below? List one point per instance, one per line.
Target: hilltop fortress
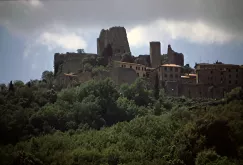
(168, 70)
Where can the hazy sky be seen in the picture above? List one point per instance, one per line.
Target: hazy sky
(32, 31)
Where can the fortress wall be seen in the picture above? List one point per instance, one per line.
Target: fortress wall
(201, 91)
(123, 75)
(172, 88)
(71, 62)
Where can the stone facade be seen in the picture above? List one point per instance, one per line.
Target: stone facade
(210, 81)
(219, 74)
(117, 37)
(139, 69)
(174, 57)
(123, 75)
(189, 79)
(169, 72)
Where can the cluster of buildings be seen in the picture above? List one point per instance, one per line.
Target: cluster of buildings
(205, 80)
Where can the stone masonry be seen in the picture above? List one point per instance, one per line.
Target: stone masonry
(117, 37)
(174, 57)
(207, 80)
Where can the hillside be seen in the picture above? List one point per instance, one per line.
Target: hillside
(99, 123)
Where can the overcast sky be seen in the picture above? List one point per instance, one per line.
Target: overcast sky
(32, 31)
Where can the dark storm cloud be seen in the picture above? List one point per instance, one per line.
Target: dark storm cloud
(222, 14)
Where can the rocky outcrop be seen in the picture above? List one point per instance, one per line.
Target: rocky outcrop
(116, 37)
(174, 57)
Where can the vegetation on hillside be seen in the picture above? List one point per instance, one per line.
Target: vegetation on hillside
(99, 123)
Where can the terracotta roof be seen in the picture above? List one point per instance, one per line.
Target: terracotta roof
(171, 65)
(185, 77)
(193, 75)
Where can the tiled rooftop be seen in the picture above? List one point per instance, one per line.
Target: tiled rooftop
(171, 65)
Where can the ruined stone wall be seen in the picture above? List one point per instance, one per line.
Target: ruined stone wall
(174, 57)
(84, 76)
(117, 37)
(172, 88)
(194, 90)
(69, 62)
(123, 75)
(201, 91)
(155, 54)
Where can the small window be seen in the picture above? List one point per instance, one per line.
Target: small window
(143, 75)
(165, 68)
(136, 68)
(221, 73)
(236, 70)
(131, 66)
(229, 82)
(211, 72)
(229, 70)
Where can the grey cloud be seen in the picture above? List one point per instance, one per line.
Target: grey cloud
(223, 14)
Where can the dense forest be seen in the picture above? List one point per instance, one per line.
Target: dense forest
(99, 123)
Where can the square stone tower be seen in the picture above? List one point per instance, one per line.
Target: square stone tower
(155, 53)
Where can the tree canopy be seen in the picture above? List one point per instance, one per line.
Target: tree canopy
(98, 122)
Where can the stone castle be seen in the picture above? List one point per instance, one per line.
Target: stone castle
(168, 70)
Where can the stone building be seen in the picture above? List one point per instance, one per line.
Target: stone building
(138, 68)
(227, 75)
(189, 79)
(117, 37)
(174, 57)
(210, 81)
(169, 72)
